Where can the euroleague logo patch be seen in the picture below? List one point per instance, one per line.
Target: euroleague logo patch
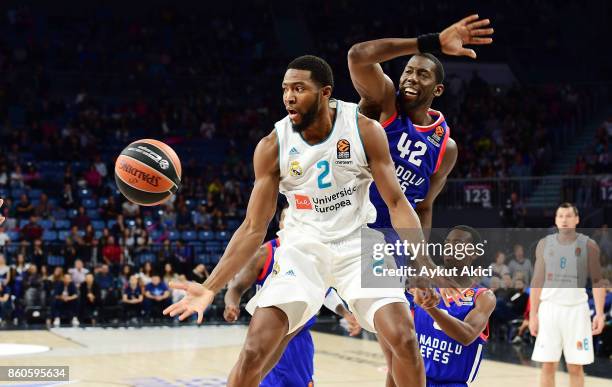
(343, 149)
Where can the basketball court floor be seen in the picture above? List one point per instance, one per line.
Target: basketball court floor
(192, 356)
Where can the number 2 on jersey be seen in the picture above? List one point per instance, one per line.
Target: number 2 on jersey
(403, 145)
(323, 164)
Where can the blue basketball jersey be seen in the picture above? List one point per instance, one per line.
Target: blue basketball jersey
(417, 152)
(296, 366)
(448, 362)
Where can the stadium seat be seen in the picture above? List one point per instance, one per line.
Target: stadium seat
(223, 236)
(34, 194)
(63, 234)
(14, 235)
(146, 257)
(174, 235)
(93, 214)
(58, 213)
(46, 224)
(97, 224)
(84, 193)
(202, 258)
(23, 222)
(189, 235)
(206, 235)
(55, 260)
(49, 236)
(233, 224)
(62, 224)
(89, 203)
(111, 223)
(16, 193)
(72, 213)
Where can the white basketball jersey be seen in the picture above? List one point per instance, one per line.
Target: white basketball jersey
(566, 270)
(326, 184)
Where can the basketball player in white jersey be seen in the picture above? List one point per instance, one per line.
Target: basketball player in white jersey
(323, 156)
(560, 316)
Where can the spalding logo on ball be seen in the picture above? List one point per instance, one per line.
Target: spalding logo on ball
(148, 172)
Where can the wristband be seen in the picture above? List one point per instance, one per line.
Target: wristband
(429, 43)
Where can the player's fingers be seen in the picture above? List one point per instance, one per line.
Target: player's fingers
(467, 52)
(469, 19)
(478, 24)
(188, 312)
(175, 309)
(482, 32)
(178, 285)
(200, 316)
(480, 41)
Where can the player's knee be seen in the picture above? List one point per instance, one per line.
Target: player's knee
(253, 356)
(549, 368)
(403, 342)
(575, 369)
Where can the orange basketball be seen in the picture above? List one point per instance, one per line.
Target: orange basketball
(148, 172)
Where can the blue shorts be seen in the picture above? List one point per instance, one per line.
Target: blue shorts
(443, 384)
(296, 367)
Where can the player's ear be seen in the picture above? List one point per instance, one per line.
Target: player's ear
(438, 90)
(326, 91)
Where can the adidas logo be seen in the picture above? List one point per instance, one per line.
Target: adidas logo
(293, 151)
(290, 272)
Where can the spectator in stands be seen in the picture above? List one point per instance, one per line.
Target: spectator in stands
(119, 227)
(78, 272)
(168, 217)
(199, 273)
(110, 210)
(6, 304)
(90, 299)
(4, 176)
(183, 256)
(143, 242)
(5, 271)
(169, 274)
(33, 279)
(5, 240)
(514, 211)
(68, 197)
(65, 302)
(81, 220)
(9, 214)
(104, 278)
(157, 297)
(69, 252)
(24, 207)
(198, 218)
(165, 254)
(521, 263)
(111, 253)
(130, 210)
(100, 166)
(124, 276)
(132, 299)
(499, 267)
(146, 273)
(183, 218)
(32, 230)
(17, 177)
(39, 257)
(44, 208)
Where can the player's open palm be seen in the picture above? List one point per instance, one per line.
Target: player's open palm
(197, 299)
(469, 30)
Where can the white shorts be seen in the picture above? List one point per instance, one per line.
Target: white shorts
(305, 268)
(564, 329)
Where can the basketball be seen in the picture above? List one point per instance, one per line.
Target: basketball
(148, 172)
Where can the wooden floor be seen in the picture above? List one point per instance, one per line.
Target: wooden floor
(191, 356)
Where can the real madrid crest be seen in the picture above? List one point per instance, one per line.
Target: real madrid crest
(295, 169)
(275, 269)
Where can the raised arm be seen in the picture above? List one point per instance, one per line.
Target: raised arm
(376, 89)
(242, 282)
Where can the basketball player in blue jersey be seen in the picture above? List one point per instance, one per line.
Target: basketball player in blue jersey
(296, 365)
(419, 137)
(323, 157)
(452, 337)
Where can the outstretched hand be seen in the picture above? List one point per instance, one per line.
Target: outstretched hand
(469, 30)
(197, 299)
